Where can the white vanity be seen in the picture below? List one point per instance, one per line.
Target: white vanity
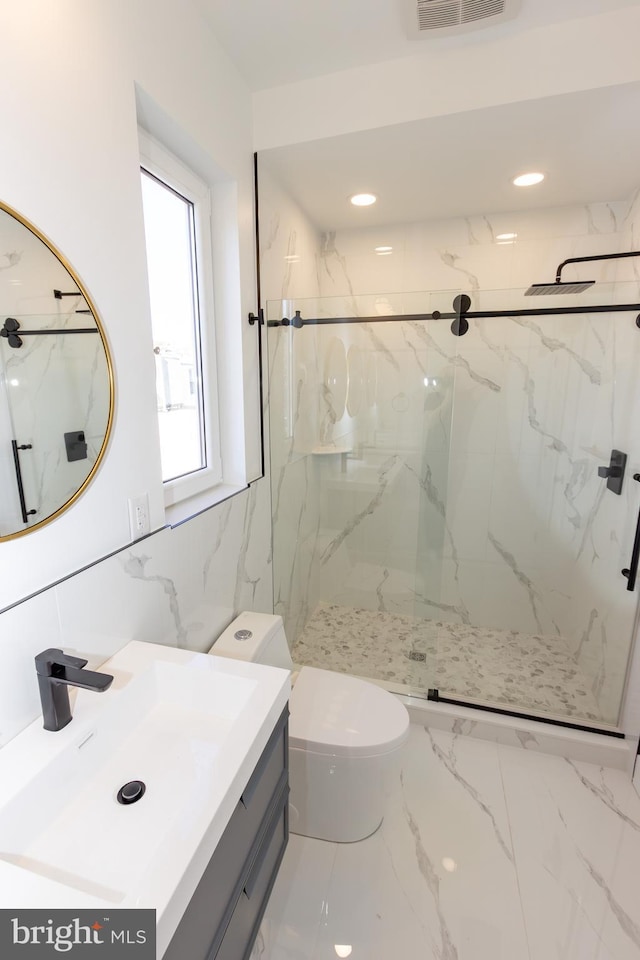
(208, 739)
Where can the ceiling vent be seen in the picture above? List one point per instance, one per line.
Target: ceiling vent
(437, 18)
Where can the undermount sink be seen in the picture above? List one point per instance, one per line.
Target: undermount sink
(189, 726)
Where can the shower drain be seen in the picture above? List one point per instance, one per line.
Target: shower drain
(415, 655)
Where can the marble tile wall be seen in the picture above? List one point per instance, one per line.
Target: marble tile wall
(464, 479)
(180, 587)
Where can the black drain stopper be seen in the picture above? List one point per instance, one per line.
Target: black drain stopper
(131, 792)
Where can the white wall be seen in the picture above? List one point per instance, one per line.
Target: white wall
(71, 167)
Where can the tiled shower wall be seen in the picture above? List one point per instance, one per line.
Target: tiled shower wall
(469, 489)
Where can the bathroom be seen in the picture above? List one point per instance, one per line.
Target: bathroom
(83, 77)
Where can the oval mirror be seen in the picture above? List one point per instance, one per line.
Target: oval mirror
(56, 381)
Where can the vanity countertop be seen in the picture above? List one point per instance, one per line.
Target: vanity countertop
(191, 727)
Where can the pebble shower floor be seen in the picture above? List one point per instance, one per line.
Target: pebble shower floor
(524, 671)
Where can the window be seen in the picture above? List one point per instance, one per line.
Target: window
(177, 222)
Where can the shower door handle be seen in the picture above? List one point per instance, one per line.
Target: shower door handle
(16, 463)
(631, 572)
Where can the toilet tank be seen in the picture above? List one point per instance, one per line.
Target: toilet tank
(266, 642)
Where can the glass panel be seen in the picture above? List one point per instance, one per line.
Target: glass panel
(439, 521)
(539, 539)
(171, 264)
(360, 429)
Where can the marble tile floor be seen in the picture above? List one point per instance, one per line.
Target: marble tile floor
(529, 672)
(487, 852)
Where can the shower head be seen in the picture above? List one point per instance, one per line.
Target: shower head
(545, 289)
(560, 286)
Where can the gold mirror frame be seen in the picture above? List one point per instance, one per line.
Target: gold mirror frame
(110, 373)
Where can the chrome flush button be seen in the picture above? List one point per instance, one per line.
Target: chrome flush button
(243, 635)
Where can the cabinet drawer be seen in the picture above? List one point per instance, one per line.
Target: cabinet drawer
(205, 919)
(264, 779)
(243, 926)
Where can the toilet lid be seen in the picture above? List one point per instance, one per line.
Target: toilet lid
(343, 716)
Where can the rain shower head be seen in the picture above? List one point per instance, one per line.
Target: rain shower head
(560, 286)
(545, 289)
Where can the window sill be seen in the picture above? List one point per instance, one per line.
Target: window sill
(178, 513)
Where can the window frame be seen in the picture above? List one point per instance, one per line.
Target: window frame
(168, 169)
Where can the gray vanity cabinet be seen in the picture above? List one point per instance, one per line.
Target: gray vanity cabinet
(223, 916)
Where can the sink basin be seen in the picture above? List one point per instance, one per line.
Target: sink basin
(189, 726)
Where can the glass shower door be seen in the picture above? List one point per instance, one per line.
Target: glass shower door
(440, 523)
(536, 540)
(359, 434)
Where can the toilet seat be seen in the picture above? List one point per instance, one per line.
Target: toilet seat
(342, 716)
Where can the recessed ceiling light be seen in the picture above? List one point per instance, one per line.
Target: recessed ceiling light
(343, 949)
(528, 179)
(382, 250)
(506, 236)
(363, 199)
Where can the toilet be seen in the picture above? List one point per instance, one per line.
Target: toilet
(345, 735)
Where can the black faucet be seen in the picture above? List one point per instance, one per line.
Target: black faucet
(57, 671)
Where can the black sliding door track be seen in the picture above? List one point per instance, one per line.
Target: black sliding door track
(433, 696)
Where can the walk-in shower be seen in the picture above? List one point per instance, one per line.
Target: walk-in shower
(441, 518)
(452, 513)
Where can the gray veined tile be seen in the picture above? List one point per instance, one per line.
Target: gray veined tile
(449, 259)
(383, 481)
(455, 359)
(135, 566)
(368, 908)
(447, 756)
(606, 785)
(577, 849)
(223, 523)
(434, 882)
(298, 904)
(449, 836)
(553, 343)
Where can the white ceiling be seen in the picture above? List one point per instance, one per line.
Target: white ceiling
(275, 42)
(587, 144)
